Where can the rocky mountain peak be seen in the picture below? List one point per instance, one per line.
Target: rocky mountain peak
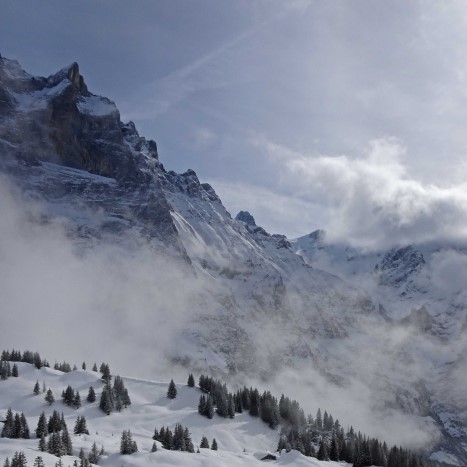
(246, 217)
(71, 73)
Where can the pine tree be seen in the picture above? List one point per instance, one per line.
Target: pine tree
(94, 367)
(91, 395)
(106, 403)
(172, 391)
(202, 405)
(19, 460)
(66, 442)
(7, 463)
(209, 411)
(214, 445)
(80, 426)
(94, 456)
(204, 443)
(191, 381)
(77, 400)
(42, 443)
(127, 445)
(38, 462)
(14, 372)
(8, 425)
(105, 370)
(154, 447)
(334, 451)
(24, 427)
(323, 454)
(37, 389)
(49, 397)
(83, 366)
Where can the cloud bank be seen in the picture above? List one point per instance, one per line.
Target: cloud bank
(372, 201)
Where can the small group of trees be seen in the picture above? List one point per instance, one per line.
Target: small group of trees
(205, 443)
(114, 398)
(59, 441)
(81, 426)
(19, 460)
(218, 397)
(26, 357)
(71, 397)
(127, 444)
(6, 370)
(15, 426)
(178, 440)
(64, 367)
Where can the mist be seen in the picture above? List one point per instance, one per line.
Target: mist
(139, 311)
(104, 303)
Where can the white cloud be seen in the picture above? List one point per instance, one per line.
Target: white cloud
(372, 201)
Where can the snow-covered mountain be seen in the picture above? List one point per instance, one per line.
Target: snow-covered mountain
(321, 317)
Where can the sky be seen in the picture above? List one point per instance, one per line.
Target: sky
(309, 114)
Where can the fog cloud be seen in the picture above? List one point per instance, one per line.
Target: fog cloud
(372, 201)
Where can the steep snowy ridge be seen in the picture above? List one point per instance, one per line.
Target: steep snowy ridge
(263, 304)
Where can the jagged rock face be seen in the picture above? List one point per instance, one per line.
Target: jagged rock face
(246, 217)
(399, 264)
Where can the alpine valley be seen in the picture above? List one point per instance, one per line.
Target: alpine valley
(148, 265)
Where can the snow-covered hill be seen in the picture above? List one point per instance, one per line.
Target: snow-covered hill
(242, 441)
(147, 265)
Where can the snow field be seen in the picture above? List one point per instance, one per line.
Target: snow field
(242, 441)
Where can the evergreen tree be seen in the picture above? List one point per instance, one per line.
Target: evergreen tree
(37, 389)
(94, 456)
(214, 445)
(204, 443)
(334, 451)
(38, 462)
(127, 445)
(94, 367)
(77, 400)
(209, 411)
(83, 366)
(80, 426)
(42, 443)
(254, 403)
(154, 447)
(66, 442)
(105, 370)
(68, 395)
(106, 403)
(8, 425)
(319, 420)
(49, 397)
(19, 460)
(7, 463)
(24, 427)
(172, 390)
(42, 426)
(323, 452)
(202, 405)
(14, 373)
(91, 395)
(191, 381)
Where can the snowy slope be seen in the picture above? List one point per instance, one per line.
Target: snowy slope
(242, 441)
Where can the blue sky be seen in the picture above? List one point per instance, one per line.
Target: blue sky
(307, 113)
